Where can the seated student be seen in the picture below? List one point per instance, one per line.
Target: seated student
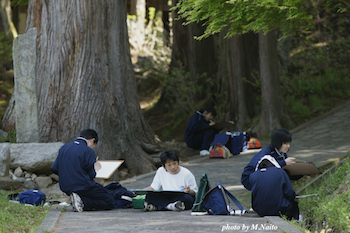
(172, 177)
(272, 191)
(280, 143)
(198, 134)
(76, 167)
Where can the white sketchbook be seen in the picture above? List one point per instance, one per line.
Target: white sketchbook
(108, 167)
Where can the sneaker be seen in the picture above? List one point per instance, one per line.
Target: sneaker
(204, 153)
(76, 202)
(199, 213)
(149, 207)
(179, 206)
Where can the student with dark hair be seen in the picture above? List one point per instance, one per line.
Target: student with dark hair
(272, 192)
(171, 177)
(280, 143)
(198, 134)
(76, 168)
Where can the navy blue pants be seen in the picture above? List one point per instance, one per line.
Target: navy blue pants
(97, 198)
(292, 212)
(161, 200)
(202, 139)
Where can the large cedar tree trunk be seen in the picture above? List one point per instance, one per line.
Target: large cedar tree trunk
(273, 114)
(85, 79)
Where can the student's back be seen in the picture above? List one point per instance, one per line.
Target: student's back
(272, 191)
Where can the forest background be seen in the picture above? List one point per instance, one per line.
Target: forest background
(158, 74)
(264, 66)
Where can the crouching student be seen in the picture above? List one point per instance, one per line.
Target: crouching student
(272, 192)
(198, 133)
(171, 177)
(281, 140)
(76, 168)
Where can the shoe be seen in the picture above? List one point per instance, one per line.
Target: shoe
(76, 202)
(179, 206)
(204, 153)
(199, 213)
(149, 207)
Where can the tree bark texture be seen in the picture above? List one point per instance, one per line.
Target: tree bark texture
(273, 113)
(236, 65)
(85, 79)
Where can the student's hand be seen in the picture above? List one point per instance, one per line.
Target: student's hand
(231, 122)
(211, 123)
(290, 161)
(188, 190)
(97, 165)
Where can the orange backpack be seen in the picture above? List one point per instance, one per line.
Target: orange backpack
(220, 151)
(254, 143)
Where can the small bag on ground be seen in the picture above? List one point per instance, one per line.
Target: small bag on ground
(220, 151)
(254, 143)
(219, 201)
(31, 197)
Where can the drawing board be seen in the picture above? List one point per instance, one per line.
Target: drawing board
(108, 167)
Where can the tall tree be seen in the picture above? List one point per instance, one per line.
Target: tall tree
(190, 60)
(85, 79)
(241, 17)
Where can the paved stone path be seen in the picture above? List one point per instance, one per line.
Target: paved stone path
(321, 141)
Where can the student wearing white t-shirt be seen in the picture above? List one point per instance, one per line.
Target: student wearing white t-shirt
(171, 177)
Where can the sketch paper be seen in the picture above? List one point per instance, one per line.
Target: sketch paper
(108, 167)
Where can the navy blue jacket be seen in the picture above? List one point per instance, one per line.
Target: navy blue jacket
(74, 166)
(250, 168)
(272, 191)
(196, 124)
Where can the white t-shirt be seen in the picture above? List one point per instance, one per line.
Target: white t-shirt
(163, 180)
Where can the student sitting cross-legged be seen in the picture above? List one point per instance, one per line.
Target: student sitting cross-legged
(171, 177)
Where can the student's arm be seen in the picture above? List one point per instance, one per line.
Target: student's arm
(190, 185)
(196, 123)
(88, 163)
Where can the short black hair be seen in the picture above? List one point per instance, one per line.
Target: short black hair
(280, 136)
(168, 155)
(89, 134)
(211, 110)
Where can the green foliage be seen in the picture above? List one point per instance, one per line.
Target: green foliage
(331, 207)
(19, 2)
(19, 218)
(5, 48)
(242, 16)
(319, 76)
(186, 90)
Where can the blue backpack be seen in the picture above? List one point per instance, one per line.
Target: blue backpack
(218, 201)
(32, 197)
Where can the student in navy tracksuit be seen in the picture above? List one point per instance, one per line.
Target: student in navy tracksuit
(280, 143)
(198, 134)
(76, 167)
(272, 192)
